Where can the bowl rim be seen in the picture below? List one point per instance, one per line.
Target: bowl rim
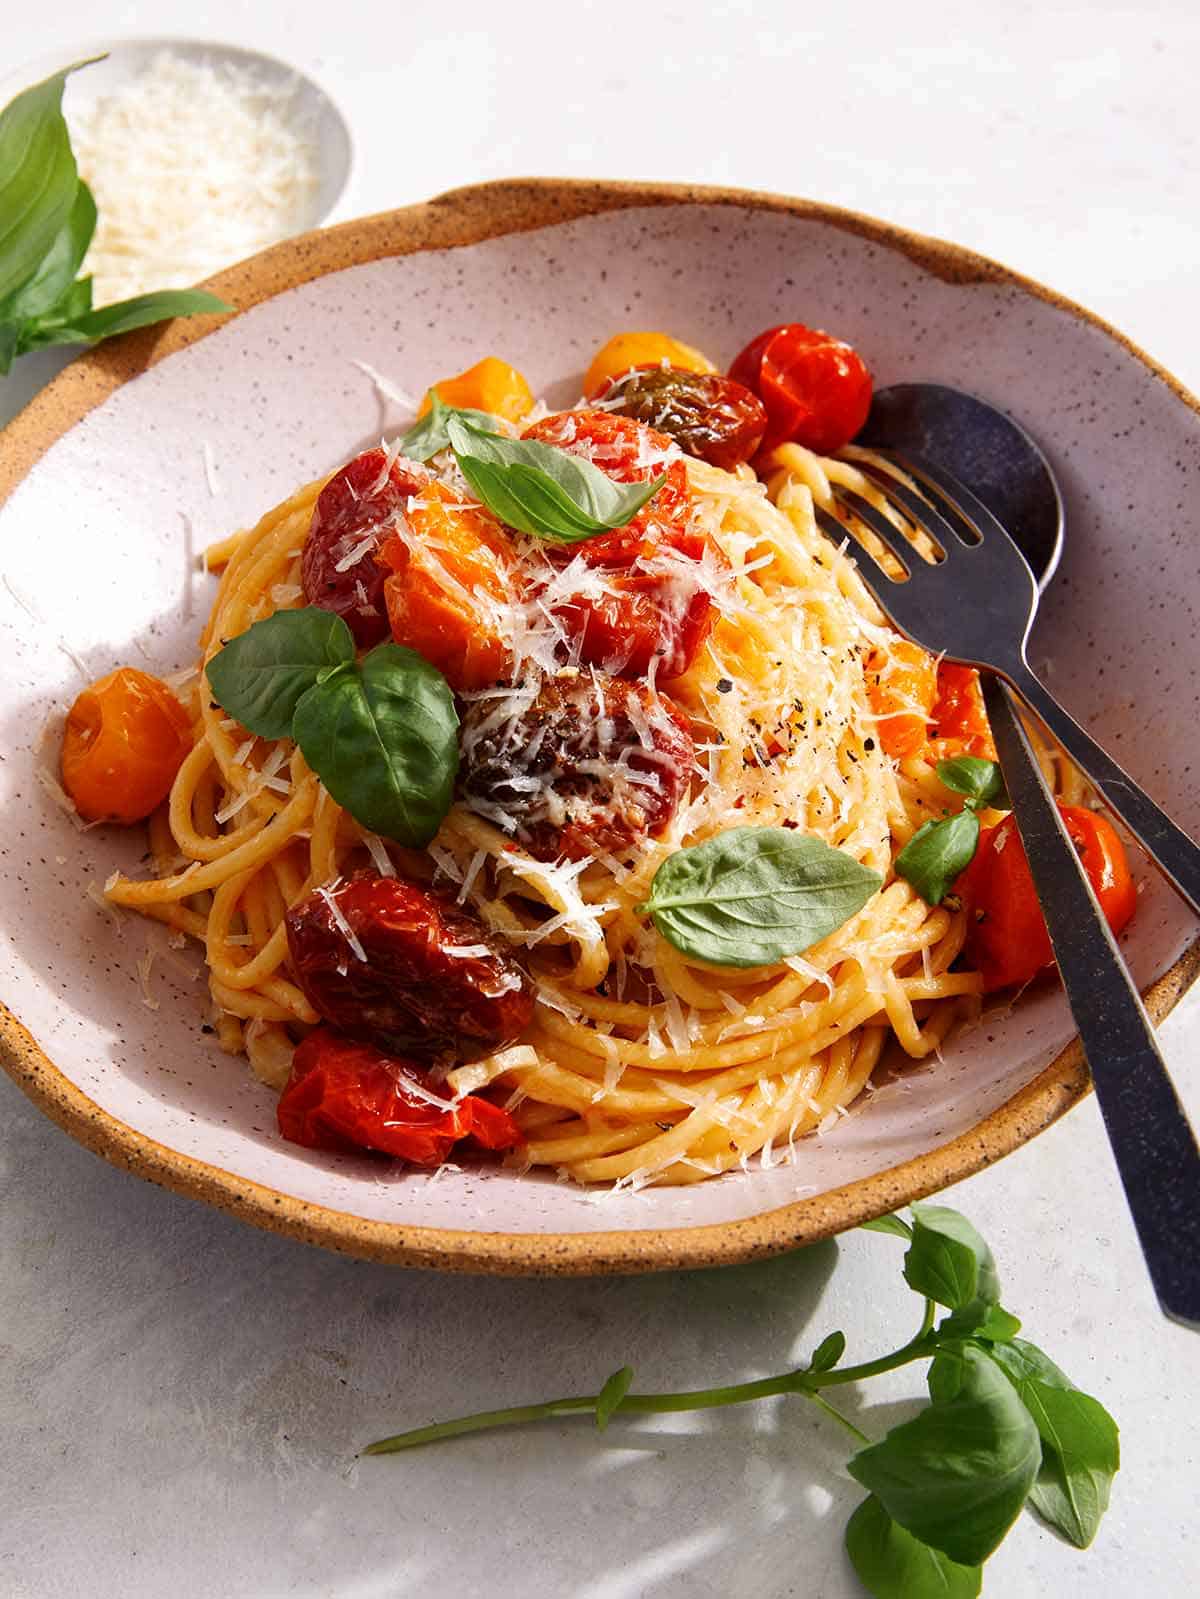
(461, 217)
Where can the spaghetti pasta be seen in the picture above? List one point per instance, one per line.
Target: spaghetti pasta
(642, 1064)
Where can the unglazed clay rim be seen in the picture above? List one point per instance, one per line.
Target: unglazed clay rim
(464, 217)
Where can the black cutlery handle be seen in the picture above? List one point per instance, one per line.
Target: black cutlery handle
(1154, 1147)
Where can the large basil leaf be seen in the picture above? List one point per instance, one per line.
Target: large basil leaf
(957, 1475)
(428, 435)
(887, 1224)
(752, 895)
(38, 180)
(384, 741)
(948, 1261)
(540, 489)
(892, 1564)
(49, 291)
(9, 340)
(261, 676)
(1080, 1443)
(937, 853)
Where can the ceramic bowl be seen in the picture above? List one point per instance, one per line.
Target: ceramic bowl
(142, 452)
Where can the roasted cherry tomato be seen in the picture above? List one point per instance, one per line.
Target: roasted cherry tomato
(901, 689)
(125, 739)
(708, 416)
(349, 1096)
(591, 762)
(960, 724)
(490, 385)
(1007, 941)
(452, 577)
(626, 350)
(407, 969)
(354, 513)
(816, 388)
(650, 604)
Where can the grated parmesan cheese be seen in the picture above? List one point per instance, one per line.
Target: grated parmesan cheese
(193, 166)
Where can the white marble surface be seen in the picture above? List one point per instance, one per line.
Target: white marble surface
(180, 1397)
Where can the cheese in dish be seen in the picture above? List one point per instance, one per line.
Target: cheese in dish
(544, 778)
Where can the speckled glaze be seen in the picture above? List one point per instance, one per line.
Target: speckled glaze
(108, 493)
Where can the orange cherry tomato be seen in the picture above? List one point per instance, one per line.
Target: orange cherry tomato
(1007, 941)
(627, 350)
(447, 579)
(490, 385)
(816, 388)
(960, 724)
(902, 684)
(125, 739)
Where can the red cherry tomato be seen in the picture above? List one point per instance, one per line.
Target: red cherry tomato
(408, 969)
(353, 516)
(1007, 941)
(350, 1096)
(816, 388)
(655, 606)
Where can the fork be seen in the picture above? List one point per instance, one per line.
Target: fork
(976, 603)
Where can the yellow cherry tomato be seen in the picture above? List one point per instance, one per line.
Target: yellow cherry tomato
(490, 385)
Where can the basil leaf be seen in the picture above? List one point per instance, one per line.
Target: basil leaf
(261, 676)
(937, 853)
(981, 781)
(828, 1352)
(892, 1564)
(887, 1224)
(383, 738)
(988, 1322)
(957, 1475)
(10, 342)
(38, 180)
(948, 1261)
(428, 436)
(1080, 1443)
(539, 489)
(752, 895)
(48, 291)
(610, 1396)
(140, 312)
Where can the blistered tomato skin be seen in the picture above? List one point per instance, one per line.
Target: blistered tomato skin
(427, 980)
(709, 416)
(1007, 941)
(355, 512)
(817, 389)
(349, 1096)
(653, 607)
(591, 763)
(125, 739)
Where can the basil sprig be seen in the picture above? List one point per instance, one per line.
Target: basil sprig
(1002, 1428)
(752, 895)
(533, 487)
(940, 850)
(47, 218)
(380, 733)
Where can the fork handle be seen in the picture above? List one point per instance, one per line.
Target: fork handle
(1175, 854)
(1153, 1144)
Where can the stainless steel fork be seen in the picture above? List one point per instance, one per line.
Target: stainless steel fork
(976, 603)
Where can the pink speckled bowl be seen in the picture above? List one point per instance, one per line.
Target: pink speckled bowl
(108, 493)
